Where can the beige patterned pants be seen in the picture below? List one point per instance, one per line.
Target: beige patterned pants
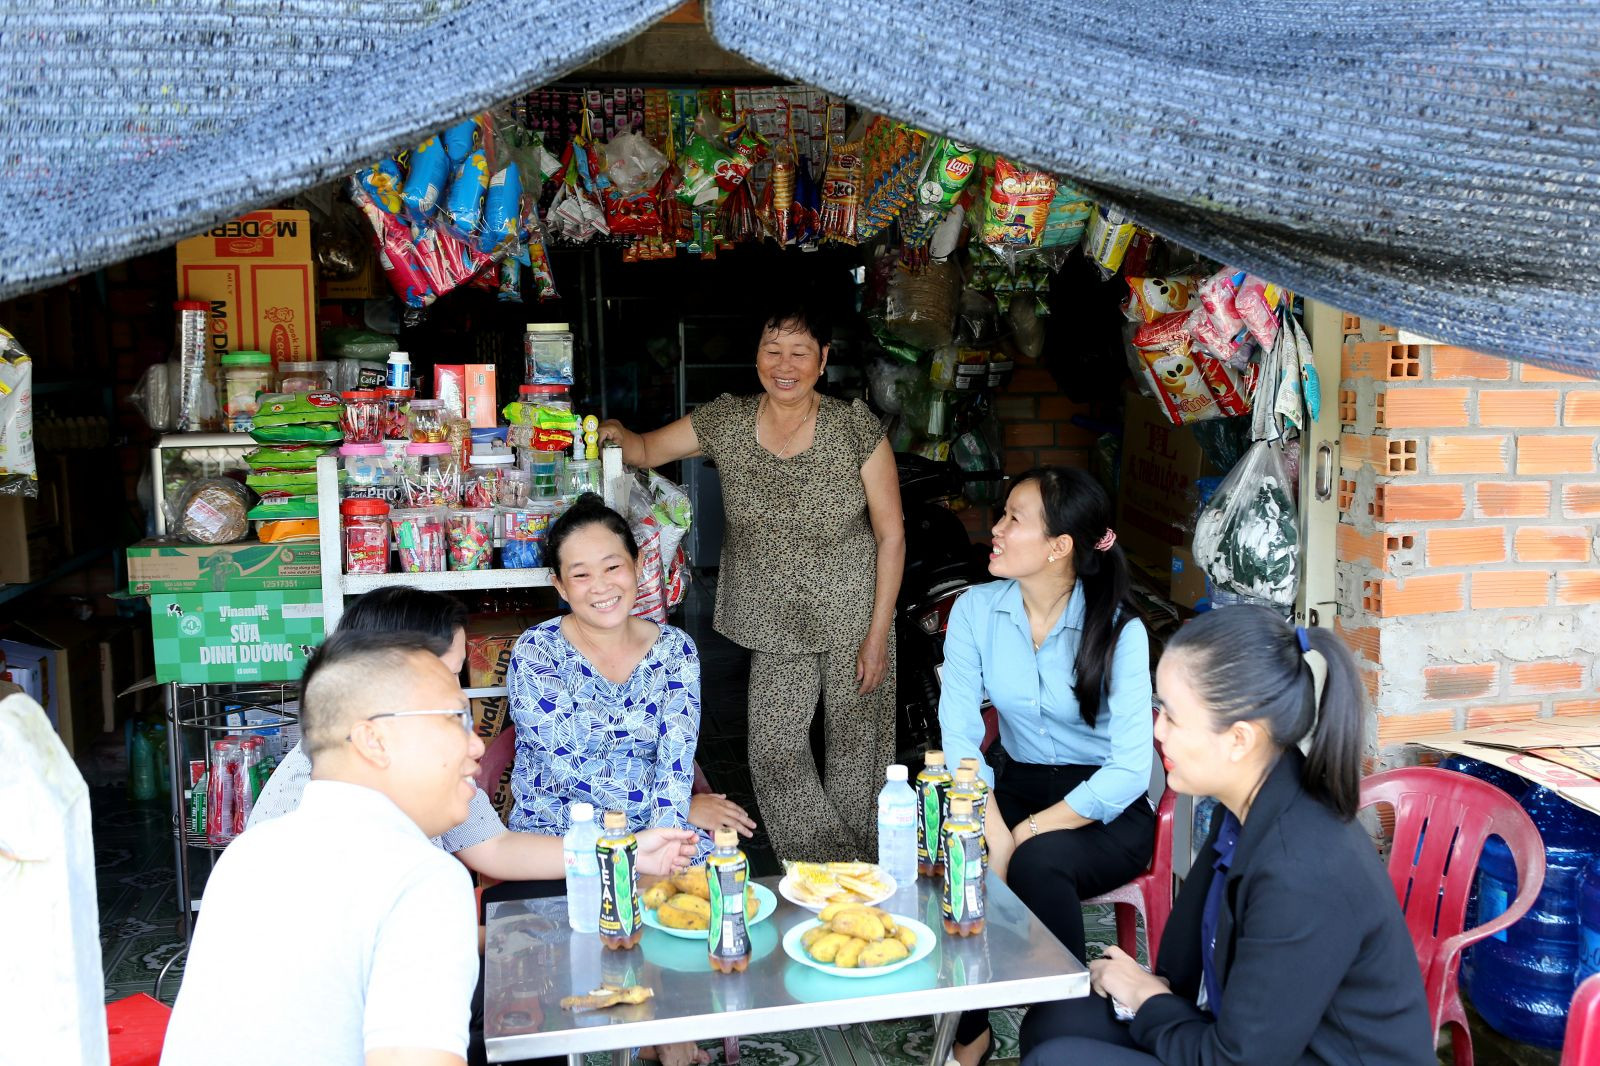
(834, 816)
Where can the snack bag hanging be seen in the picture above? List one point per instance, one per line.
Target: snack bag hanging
(1248, 537)
(1017, 206)
(1106, 237)
(841, 193)
(19, 468)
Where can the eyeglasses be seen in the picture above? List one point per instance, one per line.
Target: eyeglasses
(463, 715)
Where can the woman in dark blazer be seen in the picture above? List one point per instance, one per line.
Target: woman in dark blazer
(1285, 944)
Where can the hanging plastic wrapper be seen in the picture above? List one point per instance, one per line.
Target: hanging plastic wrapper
(1016, 209)
(660, 515)
(1106, 238)
(1248, 537)
(841, 194)
(19, 469)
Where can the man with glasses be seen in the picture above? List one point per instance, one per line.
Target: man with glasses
(382, 925)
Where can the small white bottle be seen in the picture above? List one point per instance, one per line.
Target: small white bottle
(897, 827)
(399, 370)
(583, 869)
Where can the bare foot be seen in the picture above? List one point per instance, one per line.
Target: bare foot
(973, 1053)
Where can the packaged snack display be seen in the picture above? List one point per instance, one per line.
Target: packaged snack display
(502, 212)
(430, 167)
(541, 419)
(213, 511)
(1247, 537)
(463, 202)
(289, 529)
(419, 533)
(244, 375)
(1257, 303)
(289, 457)
(1069, 213)
(1017, 206)
(362, 418)
(300, 409)
(275, 508)
(282, 482)
(432, 476)
(1151, 298)
(1166, 352)
(365, 530)
(470, 535)
(1217, 297)
(841, 194)
(1105, 239)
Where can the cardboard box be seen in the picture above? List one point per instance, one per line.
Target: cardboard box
(1562, 754)
(235, 636)
(170, 567)
(256, 273)
(367, 284)
(1189, 585)
(29, 540)
(1157, 501)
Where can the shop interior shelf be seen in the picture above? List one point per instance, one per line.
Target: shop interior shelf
(71, 566)
(449, 581)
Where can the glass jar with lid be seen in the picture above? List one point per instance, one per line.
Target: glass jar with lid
(364, 525)
(431, 476)
(312, 376)
(427, 421)
(362, 416)
(366, 472)
(244, 374)
(490, 470)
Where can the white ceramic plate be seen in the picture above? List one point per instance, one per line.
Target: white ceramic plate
(797, 951)
(786, 889)
(766, 903)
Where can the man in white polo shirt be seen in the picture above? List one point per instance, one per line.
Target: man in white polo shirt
(359, 933)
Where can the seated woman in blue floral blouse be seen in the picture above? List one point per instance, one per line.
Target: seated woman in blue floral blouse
(606, 706)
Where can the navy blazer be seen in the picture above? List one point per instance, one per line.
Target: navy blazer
(1315, 962)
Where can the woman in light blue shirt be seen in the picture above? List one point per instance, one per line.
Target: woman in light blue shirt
(1056, 648)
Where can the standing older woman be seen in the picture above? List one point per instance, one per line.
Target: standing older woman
(811, 567)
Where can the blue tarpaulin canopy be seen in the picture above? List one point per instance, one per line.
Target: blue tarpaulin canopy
(1436, 164)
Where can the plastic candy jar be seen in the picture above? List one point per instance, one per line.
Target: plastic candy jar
(397, 414)
(419, 532)
(522, 532)
(365, 471)
(427, 421)
(365, 527)
(243, 375)
(431, 477)
(362, 417)
(480, 484)
(471, 538)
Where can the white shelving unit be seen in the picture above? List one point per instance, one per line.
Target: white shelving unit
(336, 584)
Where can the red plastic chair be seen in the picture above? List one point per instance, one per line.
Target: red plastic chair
(1582, 1045)
(136, 1027)
(1148, 896)
(1441, 819)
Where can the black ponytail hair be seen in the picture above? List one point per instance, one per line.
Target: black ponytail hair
(1076, 505)
(1245, 664)
(587, 510)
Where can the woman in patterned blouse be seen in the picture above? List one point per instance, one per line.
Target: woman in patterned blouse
(606, 706)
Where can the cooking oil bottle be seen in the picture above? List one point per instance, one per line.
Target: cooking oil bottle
(727, 870)
(932, 783)
(621, 922)
(963, 902)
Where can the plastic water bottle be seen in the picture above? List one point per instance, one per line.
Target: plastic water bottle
(583, 870)
(897, 827)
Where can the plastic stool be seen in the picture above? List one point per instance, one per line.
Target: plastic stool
(137, 1027)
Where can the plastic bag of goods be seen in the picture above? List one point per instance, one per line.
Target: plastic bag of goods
(921, 305)
(1247, 538)
(660, 514)
(19, 469)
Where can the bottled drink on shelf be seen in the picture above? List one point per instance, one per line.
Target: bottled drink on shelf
(621, 923)
(583, 869)
(244, 795)
(897, 827)
(962, 902)
(932, 783)
(219, 791)
(727, 877)
(970, 785)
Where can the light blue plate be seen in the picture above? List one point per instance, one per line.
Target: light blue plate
(766, 903)
(926, 941)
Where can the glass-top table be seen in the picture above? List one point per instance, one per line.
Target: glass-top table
(532, 960)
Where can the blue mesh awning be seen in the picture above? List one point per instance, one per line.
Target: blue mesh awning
(1434, 164)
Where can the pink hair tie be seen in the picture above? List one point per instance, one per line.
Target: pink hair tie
(1104, 543)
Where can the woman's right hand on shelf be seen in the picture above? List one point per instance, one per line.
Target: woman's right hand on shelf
(631, 442)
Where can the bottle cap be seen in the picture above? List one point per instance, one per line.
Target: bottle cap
(934, 758)
(363, 505)
(726, 838)
(547, 327)
(970, 760)
(616, 820)
(965, 775)
(580, 812)
(960, 805)
(246, 358)
(399, 357)
(896, 772)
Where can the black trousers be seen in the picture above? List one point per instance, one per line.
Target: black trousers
(506, 890)
(1055, 872)
(1079, 1030)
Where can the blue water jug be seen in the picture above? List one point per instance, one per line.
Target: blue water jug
(1588, 924)
(1513, 786)
(1523, 977)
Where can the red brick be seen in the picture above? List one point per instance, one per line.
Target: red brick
(1070, 436)
(1434, 594)
(1511, 712)
(1015, 408)
(1077, 458)
(1578, 586)
(1032, 379)
(1583, 409)
(1029, 434)
(1460, 682)
(1516, 408)
(1020, 459)
(1513, 499)
(1400, 728)
(1581, 500)
(1539, 373)
(1357, 451)
(1469, 455)
(1553, 676)
(1353, 546)
(1447, 363)
(1363, 359)
(1365, 642)
(1555, 454)
(1423, 503)
(1409, 408)
(1510, 588)
(1553, 544)
(1059, 408)
(1577, 707)
(1466, 547)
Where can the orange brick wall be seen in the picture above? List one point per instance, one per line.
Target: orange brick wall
(1469, 579)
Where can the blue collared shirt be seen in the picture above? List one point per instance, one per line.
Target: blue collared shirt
(989, 649)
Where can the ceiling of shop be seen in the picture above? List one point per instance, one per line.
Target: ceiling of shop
(1436, 165)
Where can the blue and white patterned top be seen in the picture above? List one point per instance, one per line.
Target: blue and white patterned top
(584, 738)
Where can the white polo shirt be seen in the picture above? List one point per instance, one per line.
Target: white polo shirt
(325, 934)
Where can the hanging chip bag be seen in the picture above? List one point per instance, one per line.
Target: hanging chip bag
(1017, 206)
